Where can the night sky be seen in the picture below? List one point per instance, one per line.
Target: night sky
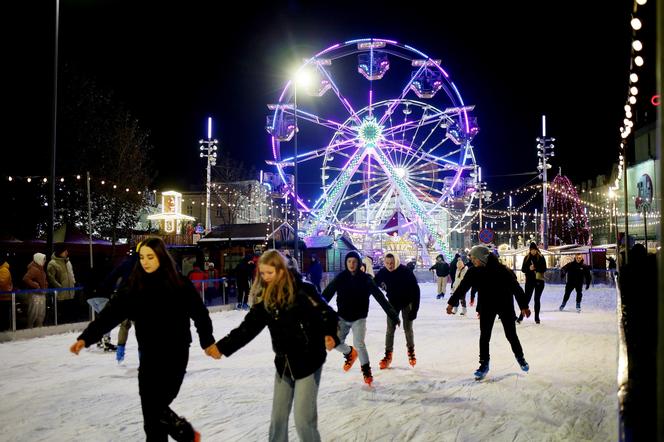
(174, 66)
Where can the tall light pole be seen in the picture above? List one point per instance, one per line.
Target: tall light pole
(208, 150)
(544, 152)
(510, 221)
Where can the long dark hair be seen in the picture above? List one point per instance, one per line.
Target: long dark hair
(167, 269)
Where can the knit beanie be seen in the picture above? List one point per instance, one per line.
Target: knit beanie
(481, 253)
(39, 258)
(533, 246)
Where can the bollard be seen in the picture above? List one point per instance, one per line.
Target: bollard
(13, 311)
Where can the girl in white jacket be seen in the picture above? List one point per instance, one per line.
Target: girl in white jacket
(460, 273)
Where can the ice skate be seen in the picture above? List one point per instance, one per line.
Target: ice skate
(411, 356)
(366, 372)
(523, 364)
(481, 372)
(386, 361)
(350, 359)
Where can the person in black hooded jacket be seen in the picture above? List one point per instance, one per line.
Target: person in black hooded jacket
(353, 288)
(302, 327)
(403, 292)
(161, 303)
(577, 272)
(497, 287)
(533, 267)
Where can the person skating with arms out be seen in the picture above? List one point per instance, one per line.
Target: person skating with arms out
(302, 327)
(577, 272)
(496, 289)
(403, 292)
(353, 289)
(161, 302)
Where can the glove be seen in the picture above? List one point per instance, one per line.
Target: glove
(119, 353)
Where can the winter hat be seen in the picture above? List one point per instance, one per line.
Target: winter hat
(533, 246)
(353, 254)
(58, 248)
(480, 252)
(39, 258)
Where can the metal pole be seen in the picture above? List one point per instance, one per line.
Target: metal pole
(510, 221)
(89, 218)
(645, 227)
(13, 311)
(207, 194)
(51, 195)
(295, 223)
(625, 206)
(545, 223)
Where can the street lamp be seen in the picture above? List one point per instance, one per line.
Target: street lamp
(544, 152)
(510, 221)
(208, 150)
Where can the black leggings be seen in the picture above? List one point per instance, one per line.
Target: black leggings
(487, 318)
(538, 287)
(159, 379)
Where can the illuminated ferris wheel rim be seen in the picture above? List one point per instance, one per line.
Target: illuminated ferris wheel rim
(350, 47)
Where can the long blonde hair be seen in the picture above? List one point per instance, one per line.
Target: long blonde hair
(281, 291)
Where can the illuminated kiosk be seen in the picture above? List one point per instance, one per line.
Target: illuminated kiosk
(171, 217)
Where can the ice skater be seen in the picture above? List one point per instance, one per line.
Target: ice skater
(403, 292)
(496, 287)
(161, 302)
(576, 272)
(442, 269)
(354, 289)
(533, 267)
(460, 273)
(302, 327)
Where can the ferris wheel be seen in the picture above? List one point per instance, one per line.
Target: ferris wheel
(381, 138)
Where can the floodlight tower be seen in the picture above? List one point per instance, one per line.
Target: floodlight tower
(544, 152)
(208, 150)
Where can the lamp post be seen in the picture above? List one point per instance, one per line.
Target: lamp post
(208, 150)
(510, 221)
(544, 152)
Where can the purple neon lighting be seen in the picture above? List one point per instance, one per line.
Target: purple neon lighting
(417, 51)
(386, 41)
(465, 114)
(351, 42)
(327, 50)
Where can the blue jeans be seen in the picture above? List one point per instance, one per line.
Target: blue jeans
(359, 328)
(98, 305)
(305, 393)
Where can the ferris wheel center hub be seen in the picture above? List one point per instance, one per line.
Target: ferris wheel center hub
(370, 132)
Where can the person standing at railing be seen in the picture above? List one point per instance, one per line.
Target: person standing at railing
(60, 272)
(5, 275)
(35, 278)
(196, 276)
(243, 278)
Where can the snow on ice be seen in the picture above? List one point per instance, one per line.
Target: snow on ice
(569, 394)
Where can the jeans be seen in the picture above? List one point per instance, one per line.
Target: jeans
(359, 328)
(98, 305)
(304, 392)
(407, 325)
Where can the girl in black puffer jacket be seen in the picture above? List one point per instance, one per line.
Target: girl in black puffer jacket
(302, 327)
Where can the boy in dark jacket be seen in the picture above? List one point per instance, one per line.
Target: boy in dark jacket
(497, 285)
(353, 288)
(576, 272)
(403, 292)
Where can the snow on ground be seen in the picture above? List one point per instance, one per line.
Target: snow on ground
(49, 394)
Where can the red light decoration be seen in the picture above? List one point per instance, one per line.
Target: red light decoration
(655, 100)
